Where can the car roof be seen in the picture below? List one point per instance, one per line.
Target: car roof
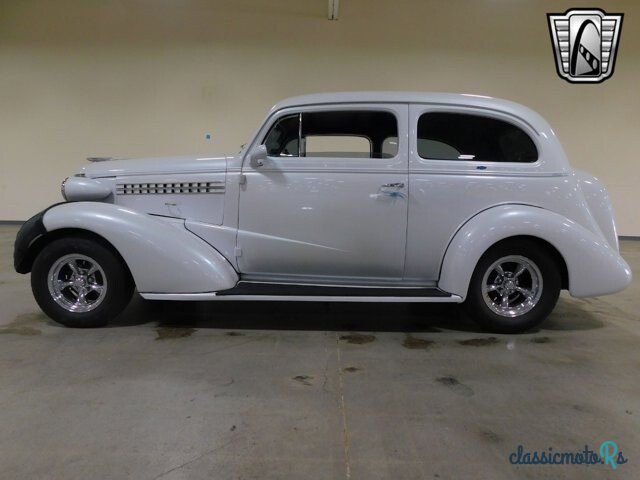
(434, 98)
(553, 159)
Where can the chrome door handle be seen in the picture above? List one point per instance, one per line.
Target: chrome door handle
(393, 185)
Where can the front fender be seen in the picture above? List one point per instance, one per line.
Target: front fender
(161, 254)
(594, 268)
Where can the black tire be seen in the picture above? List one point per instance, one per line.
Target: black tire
(478, 308)
(112, 302)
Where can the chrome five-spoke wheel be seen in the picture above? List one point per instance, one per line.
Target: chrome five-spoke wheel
(81, 282)
(77, 283)
(512, 291)
(512, 286)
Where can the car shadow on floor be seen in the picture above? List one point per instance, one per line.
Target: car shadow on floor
(330, 316)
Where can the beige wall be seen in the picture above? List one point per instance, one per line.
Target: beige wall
(132, 78)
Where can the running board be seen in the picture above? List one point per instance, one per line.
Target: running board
(247, 291)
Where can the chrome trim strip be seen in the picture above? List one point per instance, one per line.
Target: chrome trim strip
(287, 298)
(300, 137)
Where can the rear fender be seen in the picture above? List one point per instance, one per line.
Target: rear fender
(161, 254)
(593, 266)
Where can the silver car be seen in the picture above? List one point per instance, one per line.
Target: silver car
(366, 196)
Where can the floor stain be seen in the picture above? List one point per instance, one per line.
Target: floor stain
(235, 334)
(24, 324)
(448, 381)
(26, 318)
(490, 436)
(168, 333)
(26, 331)
(357, 338)
(416, 343)
(453, 384)
(479, 342)
(540, 340)
(303, 379)
(351, 369)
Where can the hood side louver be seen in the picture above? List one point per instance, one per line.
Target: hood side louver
(169, 188)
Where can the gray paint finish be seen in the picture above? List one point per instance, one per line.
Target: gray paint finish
(367, 221)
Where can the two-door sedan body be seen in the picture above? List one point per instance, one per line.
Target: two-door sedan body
(364, 196)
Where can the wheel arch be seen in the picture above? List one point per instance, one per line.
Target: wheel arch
(160, 253)
(47, 238)
(592, 266)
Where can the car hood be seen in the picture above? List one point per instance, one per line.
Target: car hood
(157, 166)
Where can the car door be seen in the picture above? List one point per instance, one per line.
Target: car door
(462, 160)
(329, 202)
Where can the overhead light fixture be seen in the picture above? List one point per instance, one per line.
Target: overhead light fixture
(333, 9)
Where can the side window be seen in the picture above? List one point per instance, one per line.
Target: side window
(349, 134)
(461, 136)
(339, 134)
(282, 139)
(337, 146)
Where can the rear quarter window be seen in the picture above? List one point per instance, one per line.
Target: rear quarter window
(461, 136)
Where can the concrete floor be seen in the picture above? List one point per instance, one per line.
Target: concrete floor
(276, 390)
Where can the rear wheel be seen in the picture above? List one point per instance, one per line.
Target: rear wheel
(80, 282)
(514, 287)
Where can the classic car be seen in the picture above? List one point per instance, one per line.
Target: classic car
(363, 196)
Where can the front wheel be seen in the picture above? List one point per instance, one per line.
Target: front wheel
(514, 287)
(80, 282)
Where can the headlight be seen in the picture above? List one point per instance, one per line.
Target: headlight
(80, 188)
(64, 182)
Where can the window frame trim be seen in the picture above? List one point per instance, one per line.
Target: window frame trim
(507, 117)
(388, 107)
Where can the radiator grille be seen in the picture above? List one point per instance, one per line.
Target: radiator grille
(169, 188)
